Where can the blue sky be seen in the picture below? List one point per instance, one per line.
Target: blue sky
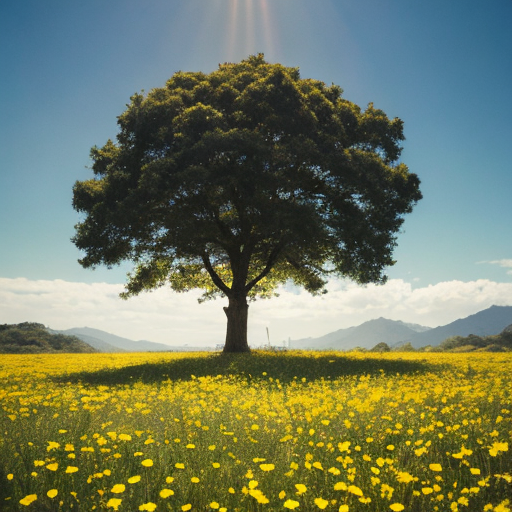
(444, 68)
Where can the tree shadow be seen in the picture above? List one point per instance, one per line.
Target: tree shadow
(257, 365)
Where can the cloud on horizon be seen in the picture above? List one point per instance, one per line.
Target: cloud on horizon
(506, 263)
(168, 317)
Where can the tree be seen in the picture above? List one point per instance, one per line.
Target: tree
(381, 347)
(242, 179)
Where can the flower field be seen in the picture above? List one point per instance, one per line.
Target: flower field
(301, 431)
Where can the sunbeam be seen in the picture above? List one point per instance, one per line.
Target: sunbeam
(249, 29)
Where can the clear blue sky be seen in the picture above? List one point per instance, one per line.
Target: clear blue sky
(445, 68)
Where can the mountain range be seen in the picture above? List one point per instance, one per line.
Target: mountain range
(381, 330)
(394, 333)
(106, 342)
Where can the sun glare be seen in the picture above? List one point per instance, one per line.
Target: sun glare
(249, 28)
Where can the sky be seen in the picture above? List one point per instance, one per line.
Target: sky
(68, 70)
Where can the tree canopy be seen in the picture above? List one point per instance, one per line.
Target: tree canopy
(242, 179)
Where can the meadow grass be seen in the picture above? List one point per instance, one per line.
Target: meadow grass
(264, 431)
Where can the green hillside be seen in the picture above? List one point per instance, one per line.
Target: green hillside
(33, 338)
(498, 343)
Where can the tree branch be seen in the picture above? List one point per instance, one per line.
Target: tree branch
(268, 267)
(215, 277)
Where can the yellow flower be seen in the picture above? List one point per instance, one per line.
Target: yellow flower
(179, 465)
(282, 495)
(396, 507)
(435, 467)
(267, 467)
(343, 508)
(404, 477)
(53, 466)
(71, 469)
(231, 490)
(390, 447)
(498, 447)
(134, 479)
(194, 480)
(318, 465)
(301, 488)
(114, 503)
(52, 493)
(10, 476)
(165, 493)
(147, 463)
(321, 503)
(427, 490)
(148, 506)
(215, 465)
(125, 437)
(253, 484)
(186, 507)
(190, 446)
(169, 480)
(214, 505)
(291, 504)
(355, 490)
(474, 471)
(27, 500)
(118, 488)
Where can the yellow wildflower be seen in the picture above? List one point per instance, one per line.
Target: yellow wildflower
(27, 500)
(321, 503)
(114, 503)
(148, 506)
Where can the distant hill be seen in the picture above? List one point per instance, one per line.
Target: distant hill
(106, 342)
(34, 338)
(98, 344)
(484, 323)
(366, 335)
(488, 322)
(501, 342)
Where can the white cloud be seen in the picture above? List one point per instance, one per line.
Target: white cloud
(506, 263)
(167, 317)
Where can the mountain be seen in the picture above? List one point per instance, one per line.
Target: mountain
(484, 323)
(98, 344)
(34, 338)
(394, 333)
(106, 342)
(366, 335)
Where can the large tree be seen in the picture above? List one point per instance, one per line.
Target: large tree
(242, 179)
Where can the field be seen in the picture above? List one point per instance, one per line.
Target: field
(261, 432)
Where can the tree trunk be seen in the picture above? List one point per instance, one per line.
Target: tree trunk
(236, 333)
